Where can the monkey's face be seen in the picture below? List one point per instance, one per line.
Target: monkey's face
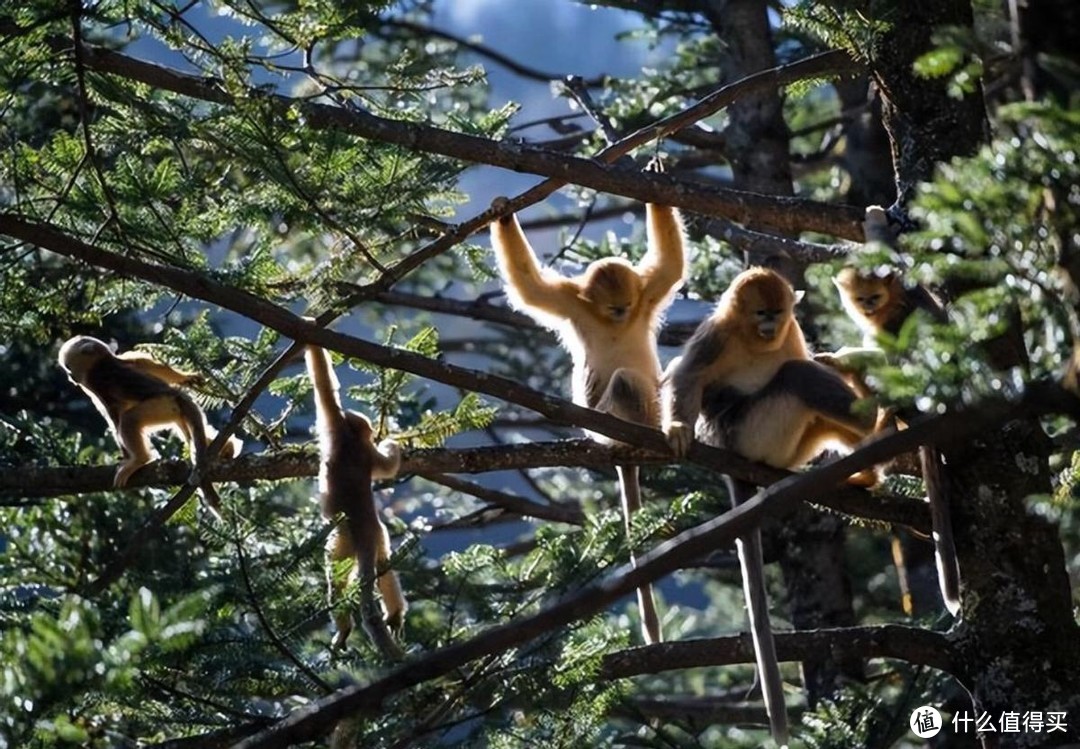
(612, 289)
(765, 304)
(867, 292)
(359, 425)
(80, 353)
(770, 323)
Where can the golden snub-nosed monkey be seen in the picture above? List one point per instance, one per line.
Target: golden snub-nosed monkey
(607, 318)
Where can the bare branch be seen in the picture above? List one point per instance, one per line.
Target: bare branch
(510, 502)
(482, 49)
(672, 334)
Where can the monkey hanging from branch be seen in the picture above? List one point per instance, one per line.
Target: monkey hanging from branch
(137, 397)
(745, 382)
(349, 462)
(880, 302)
(607, 318)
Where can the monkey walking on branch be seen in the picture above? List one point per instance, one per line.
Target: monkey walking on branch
(137, 397)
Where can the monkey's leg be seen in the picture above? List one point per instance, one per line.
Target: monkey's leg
(389, 586)
(941, 521)
(131, 429)
(339, 546)
(626, 396)
(757, 609)
(817, 438)
(825, 402)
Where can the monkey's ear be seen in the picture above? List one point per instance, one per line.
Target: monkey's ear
(799, 294)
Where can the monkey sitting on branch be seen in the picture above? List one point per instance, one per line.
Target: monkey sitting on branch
(880, 302)
(745, 382)
(608, 319)
(349, 462)
(137, 397)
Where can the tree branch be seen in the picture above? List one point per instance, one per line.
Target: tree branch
(316, 718)
(786, 215)
(35, 481)
(557, 513)
(911, 644)
(671, 334)
(482, 49)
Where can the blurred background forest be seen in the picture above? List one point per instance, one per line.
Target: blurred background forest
(191, 178)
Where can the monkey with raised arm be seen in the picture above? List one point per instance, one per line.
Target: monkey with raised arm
(137, 397)
(608, 319)
(745, 382)
(349, 461)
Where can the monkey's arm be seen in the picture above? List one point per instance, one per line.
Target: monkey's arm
(386, 460)
(328, 413)
(148, 366)
(684, 383)
(664, 263)
(526, 284)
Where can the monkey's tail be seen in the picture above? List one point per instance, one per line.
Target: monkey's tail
(194, 416)
(941, 521)
(630, 493)
(757, 609)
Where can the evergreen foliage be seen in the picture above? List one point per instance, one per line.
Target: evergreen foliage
(221, 624)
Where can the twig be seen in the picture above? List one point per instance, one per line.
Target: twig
(510, 502)
(482, 49)
(280, 644)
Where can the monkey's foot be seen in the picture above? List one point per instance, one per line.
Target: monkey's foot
(123, 473)
(866, 479)
(679, 436)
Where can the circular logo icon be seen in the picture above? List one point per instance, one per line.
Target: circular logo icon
(925, 721)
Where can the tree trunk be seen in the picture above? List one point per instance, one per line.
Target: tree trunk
(1018, 646)
(925, 124)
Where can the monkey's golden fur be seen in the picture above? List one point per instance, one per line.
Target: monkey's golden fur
(745, 381)
(741, 348)
(349, 461)
(607, 318)
(136, 396)
(880, 303)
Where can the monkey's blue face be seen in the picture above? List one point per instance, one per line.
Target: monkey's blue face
(612, 289)
(618, 312)
(870, 303)
(769, 322)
